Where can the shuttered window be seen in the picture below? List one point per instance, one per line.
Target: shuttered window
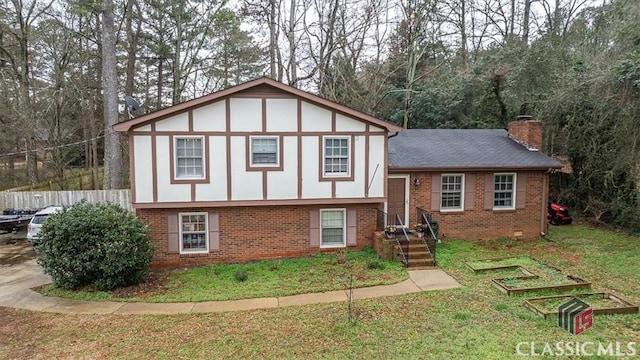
(332, 228)
(194, 232)
(503, 191)
(451, 192)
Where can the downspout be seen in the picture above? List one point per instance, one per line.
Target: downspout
(543, 205)
(393, 135)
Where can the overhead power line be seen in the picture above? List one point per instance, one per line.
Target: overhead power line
(50, 148)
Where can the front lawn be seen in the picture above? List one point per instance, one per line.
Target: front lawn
(276, 278)
(473, 322)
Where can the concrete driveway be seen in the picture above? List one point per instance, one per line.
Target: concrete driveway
(19, 271)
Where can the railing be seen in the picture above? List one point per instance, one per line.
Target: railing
(404, 248)
(385, 221)
(426, 219)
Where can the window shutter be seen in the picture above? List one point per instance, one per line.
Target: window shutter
(214, 232)
(435, 192)
(314, 228)
(521, 190)
(469, 191)
(489, 182)
(352, 226)
(173, 234)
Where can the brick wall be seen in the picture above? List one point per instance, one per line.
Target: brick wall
(254, 233)
(479, 223)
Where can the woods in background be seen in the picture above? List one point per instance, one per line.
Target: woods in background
(575, 64)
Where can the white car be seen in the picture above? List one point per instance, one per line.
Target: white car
(33, 229)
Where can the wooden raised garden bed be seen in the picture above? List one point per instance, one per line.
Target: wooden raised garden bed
(534, 283)
(603, 303)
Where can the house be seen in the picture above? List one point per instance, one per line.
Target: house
(263, 170)
(476, 183)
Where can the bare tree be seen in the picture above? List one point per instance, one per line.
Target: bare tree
(113, 150)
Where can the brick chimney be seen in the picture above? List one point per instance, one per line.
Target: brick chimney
(527, 132)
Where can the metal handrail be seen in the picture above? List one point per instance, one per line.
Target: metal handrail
(405, 257)
(426, 221)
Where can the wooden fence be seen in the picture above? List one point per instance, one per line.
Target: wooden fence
(40, 199)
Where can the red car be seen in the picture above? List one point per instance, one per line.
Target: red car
(558, 214)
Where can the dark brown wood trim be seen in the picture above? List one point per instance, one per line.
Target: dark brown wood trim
(154, 161)
(193, 192)
(385, 167)
(204, 204)
(264, 115)
(264, 185)
(333, 122)
(264, 133)
(228, 144)
(190, 121)
(366, 162)
(278, 88)
(299, 129)
(132, 167)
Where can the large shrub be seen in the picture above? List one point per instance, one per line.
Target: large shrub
(100, 245)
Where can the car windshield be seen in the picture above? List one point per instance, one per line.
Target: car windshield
(39, 219)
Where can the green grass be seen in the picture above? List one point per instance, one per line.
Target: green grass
(323, 272)
(475, 321)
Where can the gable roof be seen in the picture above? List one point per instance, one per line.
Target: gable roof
(468, 149)
(254, 84)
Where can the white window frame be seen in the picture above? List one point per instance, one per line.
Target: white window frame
(276, 164)
(452, 208)
(324, 157)
(175, 158)
(513, 192)
(182, 232)
(344, 228)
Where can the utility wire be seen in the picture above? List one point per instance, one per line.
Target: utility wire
(51, 148)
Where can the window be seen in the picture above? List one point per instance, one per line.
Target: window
(193, 233)
(189, 157)
(264, 151)
(452, 192)
(332, 232)
(336, 156)
(503, 195)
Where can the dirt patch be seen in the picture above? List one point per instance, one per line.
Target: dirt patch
(154, 284)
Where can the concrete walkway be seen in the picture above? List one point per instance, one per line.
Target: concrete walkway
(17, 279)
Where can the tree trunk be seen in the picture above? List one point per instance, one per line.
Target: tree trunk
(525, 22)
(112, 151)
(272, 39)
(293, 76)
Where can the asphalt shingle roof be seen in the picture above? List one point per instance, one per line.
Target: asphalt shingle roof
(462, 148)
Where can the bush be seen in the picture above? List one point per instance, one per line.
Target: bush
(99, 245)
(241, 275)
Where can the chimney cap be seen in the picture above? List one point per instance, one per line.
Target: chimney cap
(524, 117)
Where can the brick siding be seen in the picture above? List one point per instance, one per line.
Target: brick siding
(254, 233)
(478, 223)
